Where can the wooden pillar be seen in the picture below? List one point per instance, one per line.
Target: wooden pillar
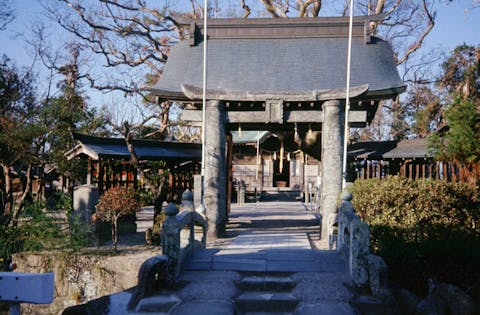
(171, 183)
(453, 167)
(215, 181)
(417, 169)
(364, 175)
(332, 157)
(445, 171)
(230, 170)
(89, 171)
(100, 176)
(301, 160)
(135, 180)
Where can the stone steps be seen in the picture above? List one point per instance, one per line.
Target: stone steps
(266, 294)
(259, 283)
(254, 293)
(266, 301)
(157, 304)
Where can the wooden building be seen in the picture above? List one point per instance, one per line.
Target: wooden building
(108, 161)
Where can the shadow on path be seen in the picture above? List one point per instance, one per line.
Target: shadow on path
(262, 237)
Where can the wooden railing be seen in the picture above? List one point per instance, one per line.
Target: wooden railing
(172, 231)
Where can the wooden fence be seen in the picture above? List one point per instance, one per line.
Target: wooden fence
(409, 168)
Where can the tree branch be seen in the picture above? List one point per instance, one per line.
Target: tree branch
(415, 46)
(246, 8)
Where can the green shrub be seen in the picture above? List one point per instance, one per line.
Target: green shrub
(156, 230)
(63, 201)
(146, 198)
(422, 217)
(80, 235)
(37, 231)
(34, 208)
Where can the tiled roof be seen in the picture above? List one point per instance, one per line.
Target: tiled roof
(378, 150)
(413, 148)
(97, 147)
(281, 66)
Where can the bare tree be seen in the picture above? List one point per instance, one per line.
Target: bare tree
(122, 121)
(128, 39)
(132, 38)
(6, 14)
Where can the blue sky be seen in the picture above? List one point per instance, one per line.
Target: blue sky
(453, 26)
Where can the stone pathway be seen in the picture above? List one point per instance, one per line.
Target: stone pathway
(266, 265)
(269, 263)
(269, 237)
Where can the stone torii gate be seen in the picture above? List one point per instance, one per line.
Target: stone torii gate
(278, 75)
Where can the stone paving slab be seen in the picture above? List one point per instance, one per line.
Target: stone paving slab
(276, 241)
(288, 255)
(205, 307)
(339, 308)
(258, 265)
(247, 253)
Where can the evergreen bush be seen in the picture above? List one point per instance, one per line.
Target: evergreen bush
(423, 216)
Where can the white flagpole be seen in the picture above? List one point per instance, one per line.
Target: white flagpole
(347, 98)
(204, 86)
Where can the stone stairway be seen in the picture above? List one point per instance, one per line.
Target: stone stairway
(268, 266)
(253, 293)
(266, 294)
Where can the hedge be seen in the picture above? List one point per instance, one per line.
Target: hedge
(424, 217)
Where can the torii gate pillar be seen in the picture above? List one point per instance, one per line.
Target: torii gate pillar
(332, 144)
(215, 180)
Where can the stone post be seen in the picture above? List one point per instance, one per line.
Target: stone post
(197, 190)
(215, 180)
(332, 144)
(187, 201)
(171, 242)
(359, 250)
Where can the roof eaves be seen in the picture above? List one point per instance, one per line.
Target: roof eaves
(81, 149)
(196, 93)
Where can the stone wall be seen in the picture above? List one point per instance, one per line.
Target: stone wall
(81, 277)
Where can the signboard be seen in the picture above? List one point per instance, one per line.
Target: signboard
(35, 288)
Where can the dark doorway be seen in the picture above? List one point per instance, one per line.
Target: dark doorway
(281, 179)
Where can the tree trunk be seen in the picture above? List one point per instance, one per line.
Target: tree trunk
(8, 198)
(114, 234)
(26, 192)
(158, 192)
(41, 184)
